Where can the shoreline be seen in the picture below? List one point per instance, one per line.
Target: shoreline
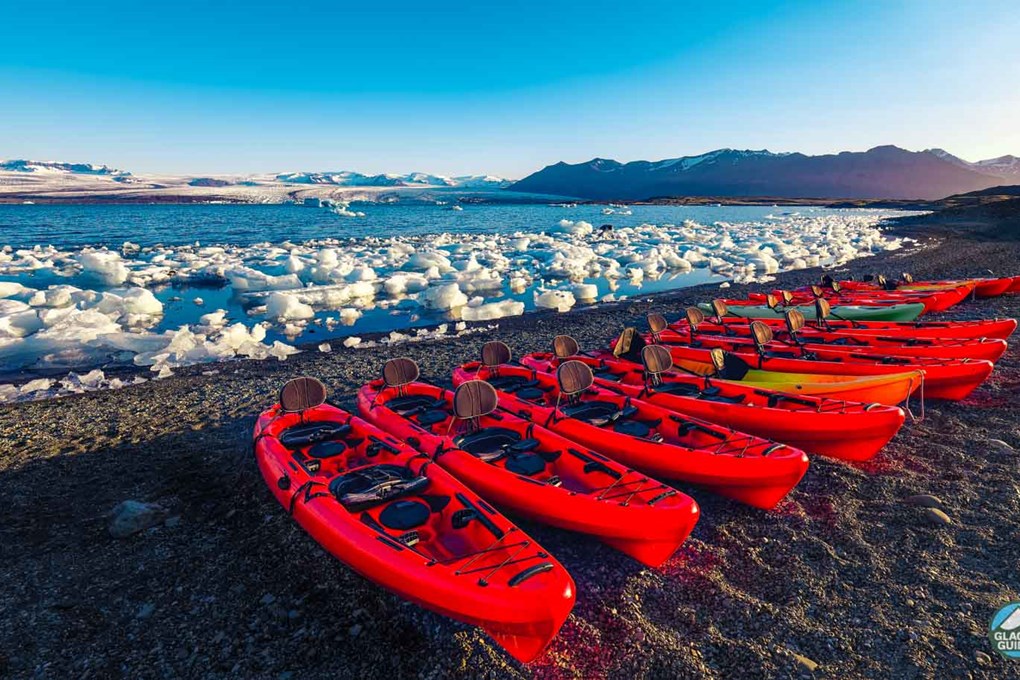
(842, 573)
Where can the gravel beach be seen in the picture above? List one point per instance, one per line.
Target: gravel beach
(845, 579)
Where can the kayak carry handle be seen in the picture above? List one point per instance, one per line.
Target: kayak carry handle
(522, 576)
(687, 427)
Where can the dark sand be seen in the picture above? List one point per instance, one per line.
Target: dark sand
(843, 572)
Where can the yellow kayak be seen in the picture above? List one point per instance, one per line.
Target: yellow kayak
(891, 389)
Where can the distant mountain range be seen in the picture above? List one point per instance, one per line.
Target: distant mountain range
(881, 172)
(53, 166)
(340, 178)
(346, 178)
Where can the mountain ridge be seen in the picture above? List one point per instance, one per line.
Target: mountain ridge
(882, 172)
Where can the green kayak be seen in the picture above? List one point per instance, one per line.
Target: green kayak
(904, 312)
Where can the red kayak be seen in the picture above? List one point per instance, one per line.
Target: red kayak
(983, 288)
(644, 436)
(943, 379)
(820, 343)
(933, 301)
(839, 429)
(988, 288)
(385, 510)
(937, 330)
(529, 470)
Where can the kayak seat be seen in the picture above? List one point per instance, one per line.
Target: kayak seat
(530, 393)
(432, 417)
(487, 440)
(682, 389)
(594, 412)
(304, 434)
(607, 375)
(410, 402)
(632, 428)
(369, 486)
(722, 399)
(509, 383)
(526, 464)
(404, 515)
(327, 449)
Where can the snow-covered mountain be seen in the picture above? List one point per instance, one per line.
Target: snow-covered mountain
(1004, 166)
(347, 178)
(28, 180)
(20, 165)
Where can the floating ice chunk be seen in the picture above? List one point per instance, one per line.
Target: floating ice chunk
(585, 291)
(10, 289)
(141, 301)
(579, 228)
(352, 341)
(105, 266)
(325, 347)
(286, 307)
(560, 300)
(282, 350)
(493, 310)
(214, 319)
(444, 297)
(349, 315)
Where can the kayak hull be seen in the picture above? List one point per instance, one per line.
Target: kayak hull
(950, 380)
(827, 345)
(998, 329)
(899, 312)
(748, 469)
(520, 610)
(644, 518)
(828, 427)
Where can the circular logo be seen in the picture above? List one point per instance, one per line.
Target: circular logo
(1004, 631)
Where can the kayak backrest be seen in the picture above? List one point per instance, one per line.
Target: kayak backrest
(574, 377)
(908, 277)
(301, 394)
(772, 301)
(656, 359)
(761, 333)
(695, 316)
(836, 287)
(794, 321)
(629, 345)
(399, 372)
(827, 280)
(720, 309)
(495, 353)
(816, 291)
(657, 323)
(728, 366)
(822, 308)
(565, 346)
(474, 399)
(880, 280)
(787, 296)
(718, 358)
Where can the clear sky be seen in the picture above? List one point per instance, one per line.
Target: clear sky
(498, 87)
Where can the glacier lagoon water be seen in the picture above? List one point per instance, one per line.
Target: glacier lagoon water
(24, 226)
(177, 229)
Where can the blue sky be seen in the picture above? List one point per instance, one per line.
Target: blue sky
(500, 88)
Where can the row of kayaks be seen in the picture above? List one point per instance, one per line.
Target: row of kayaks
(409, 492)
